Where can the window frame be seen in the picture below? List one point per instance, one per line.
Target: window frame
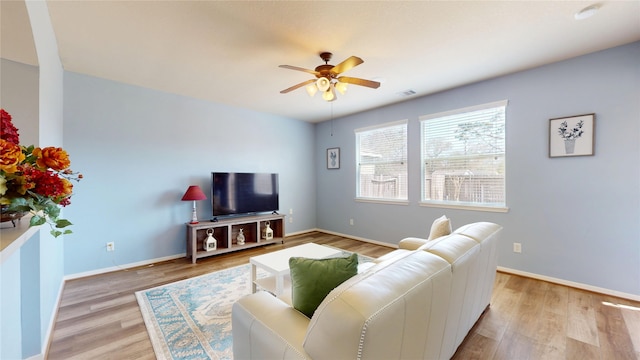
(405, 162)
(449, 204)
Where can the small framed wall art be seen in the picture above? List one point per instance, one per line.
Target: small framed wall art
(572, 136)
(333, 158)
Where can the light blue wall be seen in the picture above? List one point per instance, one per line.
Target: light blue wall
(30, 296)
(19, 97)
(578, 219)
(19, 273)
(11, 308)
(140, 149)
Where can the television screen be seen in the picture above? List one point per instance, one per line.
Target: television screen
(243, 193)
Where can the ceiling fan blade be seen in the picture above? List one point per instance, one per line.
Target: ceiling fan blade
(299, 69)
(350, 63)
(357, 81)
(298, 86)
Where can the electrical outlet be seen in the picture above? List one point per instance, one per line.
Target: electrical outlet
(291, 220)
(517, 247)
(111, 246)
(351, 222)
(290, 211)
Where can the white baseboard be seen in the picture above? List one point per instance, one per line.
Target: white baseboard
(52, 323)
(300, 232)
(571, 284)
(381, 243)
(123, 267)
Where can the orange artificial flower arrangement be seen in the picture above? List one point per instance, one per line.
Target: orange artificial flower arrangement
(33, 179)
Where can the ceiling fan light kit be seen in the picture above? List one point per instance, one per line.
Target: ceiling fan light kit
(323, 84)
(312, 89)
(327, 80)
(341, 87)
(329, 95)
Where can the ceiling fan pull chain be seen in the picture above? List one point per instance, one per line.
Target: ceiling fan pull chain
(331, 118)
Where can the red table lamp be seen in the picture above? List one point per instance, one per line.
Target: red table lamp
(194, 193)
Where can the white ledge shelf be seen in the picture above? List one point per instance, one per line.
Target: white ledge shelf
(12, 238)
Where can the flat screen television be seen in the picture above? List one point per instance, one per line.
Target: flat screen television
(235, 193)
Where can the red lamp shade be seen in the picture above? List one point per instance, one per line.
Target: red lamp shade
(194, 193)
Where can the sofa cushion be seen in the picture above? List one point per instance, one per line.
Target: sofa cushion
(397, 307)
(391, 255)
(479, 231)
(451, 247)
(411, 243)
(440, 227)
(313, 279)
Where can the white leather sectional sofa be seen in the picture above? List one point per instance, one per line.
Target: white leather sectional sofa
(417, 302)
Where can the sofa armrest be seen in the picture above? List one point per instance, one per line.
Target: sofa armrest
(265, 327)
(411, 243)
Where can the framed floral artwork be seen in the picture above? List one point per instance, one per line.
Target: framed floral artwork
(333, 158)
(572, 136)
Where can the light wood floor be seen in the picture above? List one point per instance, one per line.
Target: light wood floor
(99, 316)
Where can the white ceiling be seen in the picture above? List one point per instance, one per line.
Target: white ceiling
(229, 51)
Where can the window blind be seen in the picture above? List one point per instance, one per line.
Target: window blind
(463, 156)
(382, 161)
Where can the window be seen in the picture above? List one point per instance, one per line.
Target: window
(463, 157)
(382, 162)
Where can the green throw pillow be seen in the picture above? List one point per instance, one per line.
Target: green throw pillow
(313, 279)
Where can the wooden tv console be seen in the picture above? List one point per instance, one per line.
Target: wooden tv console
(226, 230)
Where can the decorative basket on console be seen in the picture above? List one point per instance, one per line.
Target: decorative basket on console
(6, 215)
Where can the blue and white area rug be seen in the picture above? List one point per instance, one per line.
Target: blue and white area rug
(191, 319)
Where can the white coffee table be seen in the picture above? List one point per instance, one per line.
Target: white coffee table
(277, 264)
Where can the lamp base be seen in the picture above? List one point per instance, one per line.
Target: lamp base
(194, 216)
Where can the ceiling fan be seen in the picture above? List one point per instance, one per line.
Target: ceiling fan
(327, 79)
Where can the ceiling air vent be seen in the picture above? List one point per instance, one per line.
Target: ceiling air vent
(406, 93)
